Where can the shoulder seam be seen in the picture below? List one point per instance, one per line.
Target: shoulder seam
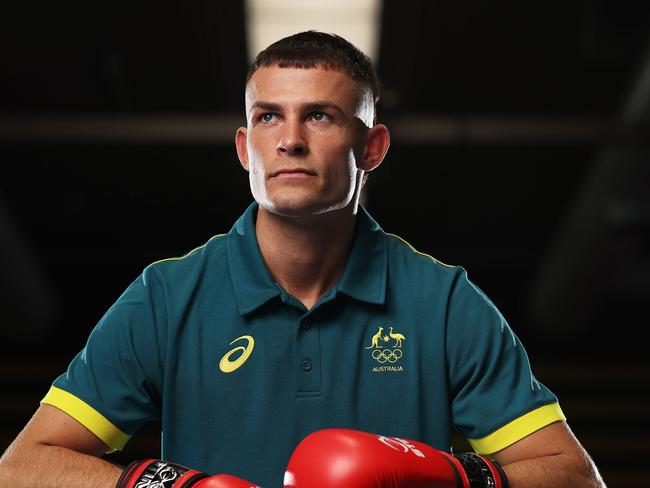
(187, 255)
(420, 253)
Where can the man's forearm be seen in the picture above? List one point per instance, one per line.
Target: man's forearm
(558, 471)
(55, 467)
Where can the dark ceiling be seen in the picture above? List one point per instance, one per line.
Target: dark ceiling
(507, 57)
(123, 56)
(504, 115)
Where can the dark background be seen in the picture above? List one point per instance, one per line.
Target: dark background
(520, 151)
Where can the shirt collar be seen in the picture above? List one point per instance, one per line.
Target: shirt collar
(251, 279)
(367, 269)
(364, 277)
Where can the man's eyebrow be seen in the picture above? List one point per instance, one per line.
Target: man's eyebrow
(274, 107)
(315, 105)
(323, 104)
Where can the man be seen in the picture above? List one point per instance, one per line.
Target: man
(305, 316)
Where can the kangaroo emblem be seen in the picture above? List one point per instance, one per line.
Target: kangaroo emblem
(376, 338)
(387, 357)
(397, 337)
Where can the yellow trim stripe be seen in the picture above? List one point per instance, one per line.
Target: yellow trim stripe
(418, 252)
(187, 255)
(90, 418)
(518, 429)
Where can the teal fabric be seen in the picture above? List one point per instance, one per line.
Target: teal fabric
(444, 357)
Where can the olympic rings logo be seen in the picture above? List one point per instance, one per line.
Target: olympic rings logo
(386, 355)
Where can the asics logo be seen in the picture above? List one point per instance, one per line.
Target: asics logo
(226, 365)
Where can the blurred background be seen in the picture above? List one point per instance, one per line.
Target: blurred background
(519, 150)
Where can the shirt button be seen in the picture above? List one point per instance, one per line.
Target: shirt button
(305, 365)
(305, 325)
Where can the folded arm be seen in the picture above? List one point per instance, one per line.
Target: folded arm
(550, 457)
(54, 450)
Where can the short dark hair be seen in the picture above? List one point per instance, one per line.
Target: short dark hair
(310, 49)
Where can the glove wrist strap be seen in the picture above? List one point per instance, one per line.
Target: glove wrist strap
(156, 473)
(481, 472)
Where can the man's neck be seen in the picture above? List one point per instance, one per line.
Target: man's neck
(306, 256)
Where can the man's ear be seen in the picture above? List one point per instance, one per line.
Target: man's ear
(377, 143)
(241, 139)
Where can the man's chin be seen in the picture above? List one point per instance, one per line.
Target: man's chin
(302, 209)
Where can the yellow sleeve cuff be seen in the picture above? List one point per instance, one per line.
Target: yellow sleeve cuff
(518, 429)
(90, 418)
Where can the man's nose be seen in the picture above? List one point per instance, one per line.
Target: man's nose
(292, 140)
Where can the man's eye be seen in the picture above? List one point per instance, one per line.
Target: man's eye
(320, 116)
(268, 117)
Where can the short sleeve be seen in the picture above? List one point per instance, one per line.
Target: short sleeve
(496, 399)
(113, 386)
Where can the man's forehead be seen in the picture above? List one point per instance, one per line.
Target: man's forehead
(280, 83)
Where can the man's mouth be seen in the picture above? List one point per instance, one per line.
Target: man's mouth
(292, 173)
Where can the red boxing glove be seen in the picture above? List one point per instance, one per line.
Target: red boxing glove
(155, 473)
(334, 458)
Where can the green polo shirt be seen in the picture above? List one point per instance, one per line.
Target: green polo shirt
(239, 371)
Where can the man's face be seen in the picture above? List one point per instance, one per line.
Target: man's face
(305, 137)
